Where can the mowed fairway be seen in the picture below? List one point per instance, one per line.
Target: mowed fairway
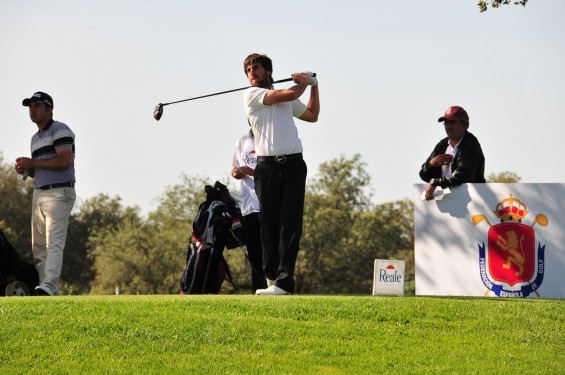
(303, 334)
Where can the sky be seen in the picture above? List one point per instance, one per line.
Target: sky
(387, 71)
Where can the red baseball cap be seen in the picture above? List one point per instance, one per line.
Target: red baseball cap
(453, 113)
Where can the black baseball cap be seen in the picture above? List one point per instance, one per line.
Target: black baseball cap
(39, 97)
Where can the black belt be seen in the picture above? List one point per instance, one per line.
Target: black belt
(53, 186)
(279, 159)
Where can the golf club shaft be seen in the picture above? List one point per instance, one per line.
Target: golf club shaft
(158, 111)
(220, 93)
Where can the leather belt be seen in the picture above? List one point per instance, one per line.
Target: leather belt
(54, 186)
(279, 159)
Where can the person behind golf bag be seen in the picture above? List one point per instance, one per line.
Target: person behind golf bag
(217, 226)
(244, 162)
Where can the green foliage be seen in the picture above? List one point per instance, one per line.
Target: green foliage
(346, 179)
(125, 258)
(141, 256)
(288, 335)
(386, 232)
(179, 203)
(113, 247)
(98, 212)
(484, 4)
(344, 233)
(504, 177)
(15, 208)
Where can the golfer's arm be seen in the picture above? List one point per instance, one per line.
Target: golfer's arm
(286, 95)
(313, 106)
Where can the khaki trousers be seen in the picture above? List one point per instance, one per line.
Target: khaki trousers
(49, 222)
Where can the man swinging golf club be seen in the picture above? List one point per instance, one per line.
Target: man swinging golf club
(280, 175)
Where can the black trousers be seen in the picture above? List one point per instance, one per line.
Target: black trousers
(280, 189)
(252, 226)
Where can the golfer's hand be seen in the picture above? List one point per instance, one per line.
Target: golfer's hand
(300, 78)
(312, 81)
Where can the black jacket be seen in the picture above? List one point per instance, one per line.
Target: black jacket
(468, 164)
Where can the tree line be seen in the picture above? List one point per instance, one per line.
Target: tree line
(484, 4)
(112, 248)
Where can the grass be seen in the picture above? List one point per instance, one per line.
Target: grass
(244, 334)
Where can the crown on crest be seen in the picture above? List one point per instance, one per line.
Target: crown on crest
(511, 209)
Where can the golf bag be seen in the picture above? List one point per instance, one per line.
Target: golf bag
(217, 226)
(17, 277)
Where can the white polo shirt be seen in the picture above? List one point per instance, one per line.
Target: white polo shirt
(273, 125)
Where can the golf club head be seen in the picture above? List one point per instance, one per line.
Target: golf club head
(158, 112)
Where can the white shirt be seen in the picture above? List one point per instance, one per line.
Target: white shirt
(273, 125)
(244, 154)
(446, 169)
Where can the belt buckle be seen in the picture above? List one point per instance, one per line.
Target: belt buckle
(281, 159)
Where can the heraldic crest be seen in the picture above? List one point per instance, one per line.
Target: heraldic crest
(510, 265)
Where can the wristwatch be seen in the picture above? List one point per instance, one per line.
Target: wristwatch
(432, 182)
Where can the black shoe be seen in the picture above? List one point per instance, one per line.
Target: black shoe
(40, 292)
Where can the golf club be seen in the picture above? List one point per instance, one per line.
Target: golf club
(158, 111)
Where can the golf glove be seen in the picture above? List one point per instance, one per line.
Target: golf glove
(312, 81)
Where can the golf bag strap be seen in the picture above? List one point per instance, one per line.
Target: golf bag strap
(228, 273)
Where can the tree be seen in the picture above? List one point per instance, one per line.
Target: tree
(385, 232)
(344, 232)
(15, 209)
(504, 177)
(331, 200)
(147, 255)
(110, 246)
(179, 203)
(101, 211)
(124, 258)
(346, 179)
(484, 4)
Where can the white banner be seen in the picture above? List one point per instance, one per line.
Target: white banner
(505, 240)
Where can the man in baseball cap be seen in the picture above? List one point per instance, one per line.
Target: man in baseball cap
(456, 159)
(52, 168)
(39, 97)
(454, 113)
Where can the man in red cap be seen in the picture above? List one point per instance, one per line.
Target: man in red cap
(456, 159)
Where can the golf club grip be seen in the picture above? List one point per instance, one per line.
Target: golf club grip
(290, 79)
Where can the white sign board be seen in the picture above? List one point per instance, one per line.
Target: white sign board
(505, 240)
(388, 277)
